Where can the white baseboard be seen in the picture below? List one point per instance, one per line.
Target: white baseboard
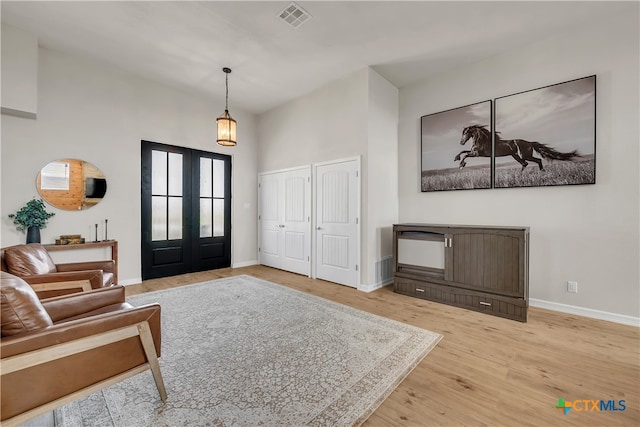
(373, 287)
(127, 282)
(244, 264)
(586, 312)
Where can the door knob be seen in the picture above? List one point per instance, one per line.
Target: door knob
(318, 228)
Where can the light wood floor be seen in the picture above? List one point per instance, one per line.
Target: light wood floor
(486, 371)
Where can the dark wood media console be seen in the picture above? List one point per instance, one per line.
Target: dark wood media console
(475, 267)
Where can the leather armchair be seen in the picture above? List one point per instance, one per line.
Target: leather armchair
(57, 350)
(34, 265)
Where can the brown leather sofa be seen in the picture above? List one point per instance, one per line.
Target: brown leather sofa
(56, 350)
(33, 263)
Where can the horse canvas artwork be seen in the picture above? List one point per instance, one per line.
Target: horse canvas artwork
(542, 137)
(553, 127)
(520, 149)
(440, 150)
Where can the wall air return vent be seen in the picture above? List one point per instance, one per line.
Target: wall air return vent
(294, 15)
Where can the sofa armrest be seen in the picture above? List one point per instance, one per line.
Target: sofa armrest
(93, 276)
(107, 265)
(66, 306)
(75, 329)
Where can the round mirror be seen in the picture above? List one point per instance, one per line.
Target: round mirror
(71, 184)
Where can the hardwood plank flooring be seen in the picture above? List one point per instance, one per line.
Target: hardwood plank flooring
(487, 371)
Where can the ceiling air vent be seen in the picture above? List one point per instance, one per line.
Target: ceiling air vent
(294, 15)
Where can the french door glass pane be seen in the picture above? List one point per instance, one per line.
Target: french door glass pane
(218, 178)
(175, 174)
(158, 218)
(175, 218)
(166, 180)
(205, 177)
(206, 218)
(218, 217)
(158, 172)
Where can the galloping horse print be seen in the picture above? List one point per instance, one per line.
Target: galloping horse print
(521, 150)
(440, 133)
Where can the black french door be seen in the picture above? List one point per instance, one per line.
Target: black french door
(186, 210)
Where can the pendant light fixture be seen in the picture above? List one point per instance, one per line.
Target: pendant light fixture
(226, 125)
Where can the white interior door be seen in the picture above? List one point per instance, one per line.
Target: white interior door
(269, 219)
(337, 222)
(285, 220)
(296, 233)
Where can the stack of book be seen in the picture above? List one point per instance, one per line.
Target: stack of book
(69, 239)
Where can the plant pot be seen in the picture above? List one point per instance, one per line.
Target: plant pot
(33, 235)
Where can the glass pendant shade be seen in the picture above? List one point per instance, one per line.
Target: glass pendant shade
(226, 130)
(226, 125)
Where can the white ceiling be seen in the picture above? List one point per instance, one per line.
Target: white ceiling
(186, 43)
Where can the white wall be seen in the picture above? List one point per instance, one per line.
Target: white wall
(382, 170)
(588, 233)
(89, 111)
(329, 123)
(353, 116)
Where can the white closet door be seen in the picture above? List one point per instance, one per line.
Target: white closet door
(296, 233)
(337, 210)
(285, 220)
(270, 215)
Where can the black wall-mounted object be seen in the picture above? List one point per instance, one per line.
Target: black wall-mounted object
(95, 188)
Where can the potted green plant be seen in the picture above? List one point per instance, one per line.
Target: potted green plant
(32, 217)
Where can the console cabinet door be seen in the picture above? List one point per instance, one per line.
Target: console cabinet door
(485, 260)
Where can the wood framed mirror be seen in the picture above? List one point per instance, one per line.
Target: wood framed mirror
(71, 184)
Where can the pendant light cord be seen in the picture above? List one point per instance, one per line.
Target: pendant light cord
(226, 96)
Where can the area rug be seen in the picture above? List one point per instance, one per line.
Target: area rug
(242, 351)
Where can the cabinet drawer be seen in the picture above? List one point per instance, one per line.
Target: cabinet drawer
(426, 290)
(410, 287)
(515, 309)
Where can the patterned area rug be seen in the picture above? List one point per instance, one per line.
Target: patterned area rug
(241, 351)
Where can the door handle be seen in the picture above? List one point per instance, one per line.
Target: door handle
(281, 225)
(318, 228)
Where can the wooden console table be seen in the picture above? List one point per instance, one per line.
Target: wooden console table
(113, 244)
(475, 267)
